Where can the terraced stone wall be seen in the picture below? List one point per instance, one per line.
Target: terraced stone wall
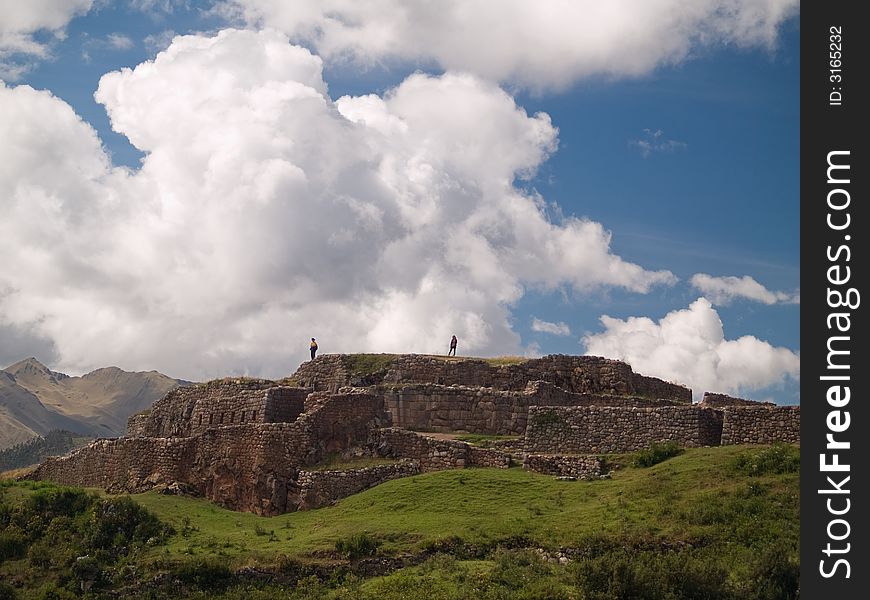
(486, 410)
(322, 488)
(761, 425)
(250, 467)
(188, 411)
(597, 429)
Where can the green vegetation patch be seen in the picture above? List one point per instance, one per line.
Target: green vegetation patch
(688, 527)
(546, 418)
(656, 453)
(368, 364)
(504, 361)
(68, 539)
(483, 440)
(776, 459)
(357, 546)
(334, 462)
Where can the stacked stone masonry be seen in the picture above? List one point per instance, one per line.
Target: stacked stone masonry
(250, 467)
(433, 454)
(602, 429)
(579, 467)
(249, 444)
(189, 411)
(761, 425)
(577, 374)
(712, 400)
(322, 488)
(486, 410)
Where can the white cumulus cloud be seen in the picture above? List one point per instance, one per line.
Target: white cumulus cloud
(21, 19)
(724, 290)
(559, 328)
(265, 213)
(688, 346)
(547, 44)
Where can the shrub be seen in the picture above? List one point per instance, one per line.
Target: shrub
(777, 459)
(204, 574)
(59, 501)
(121, 521)
(656, 453)
(7, 592)
(357, 546)
(774, 577)
(13, 545)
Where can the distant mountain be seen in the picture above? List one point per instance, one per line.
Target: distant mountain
(34, 400)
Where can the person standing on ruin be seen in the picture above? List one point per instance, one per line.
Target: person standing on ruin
(313, 347)
(453, 342)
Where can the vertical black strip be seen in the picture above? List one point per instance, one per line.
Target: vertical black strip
(833, 262)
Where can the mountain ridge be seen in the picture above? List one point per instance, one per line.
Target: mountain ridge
(35, 399)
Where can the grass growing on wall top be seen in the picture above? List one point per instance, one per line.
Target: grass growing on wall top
(368, 364)
(503, 361)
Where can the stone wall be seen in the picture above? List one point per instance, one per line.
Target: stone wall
(761, 425)
(250, 467)
(326, 373)
(436, 454)
(485, 410)
(322, 488)
(136, 424)
(577, 374)
(596, 429)
(712, 400)
(581, 467)
(189, 411)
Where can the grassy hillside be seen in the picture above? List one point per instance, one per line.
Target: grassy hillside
(714, 522)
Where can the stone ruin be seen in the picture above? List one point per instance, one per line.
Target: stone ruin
(260, 446)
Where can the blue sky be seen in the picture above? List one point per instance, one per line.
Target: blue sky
(692, 166)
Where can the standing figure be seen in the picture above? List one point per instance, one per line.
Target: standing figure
(313, 347)
(453, 342)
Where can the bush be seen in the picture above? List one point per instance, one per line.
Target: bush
(357, 546)
(121, 521)
(7, 592)
(774, 577)
(651, 575)
(204, 574)
(13, 545)
(59, 501)
(777, 459)
(656, 453)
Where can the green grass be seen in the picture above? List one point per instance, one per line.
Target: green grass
(368, 364)
(658, 502)
(503, 361)
(685, 527)
(656, 453)
(334, 462)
